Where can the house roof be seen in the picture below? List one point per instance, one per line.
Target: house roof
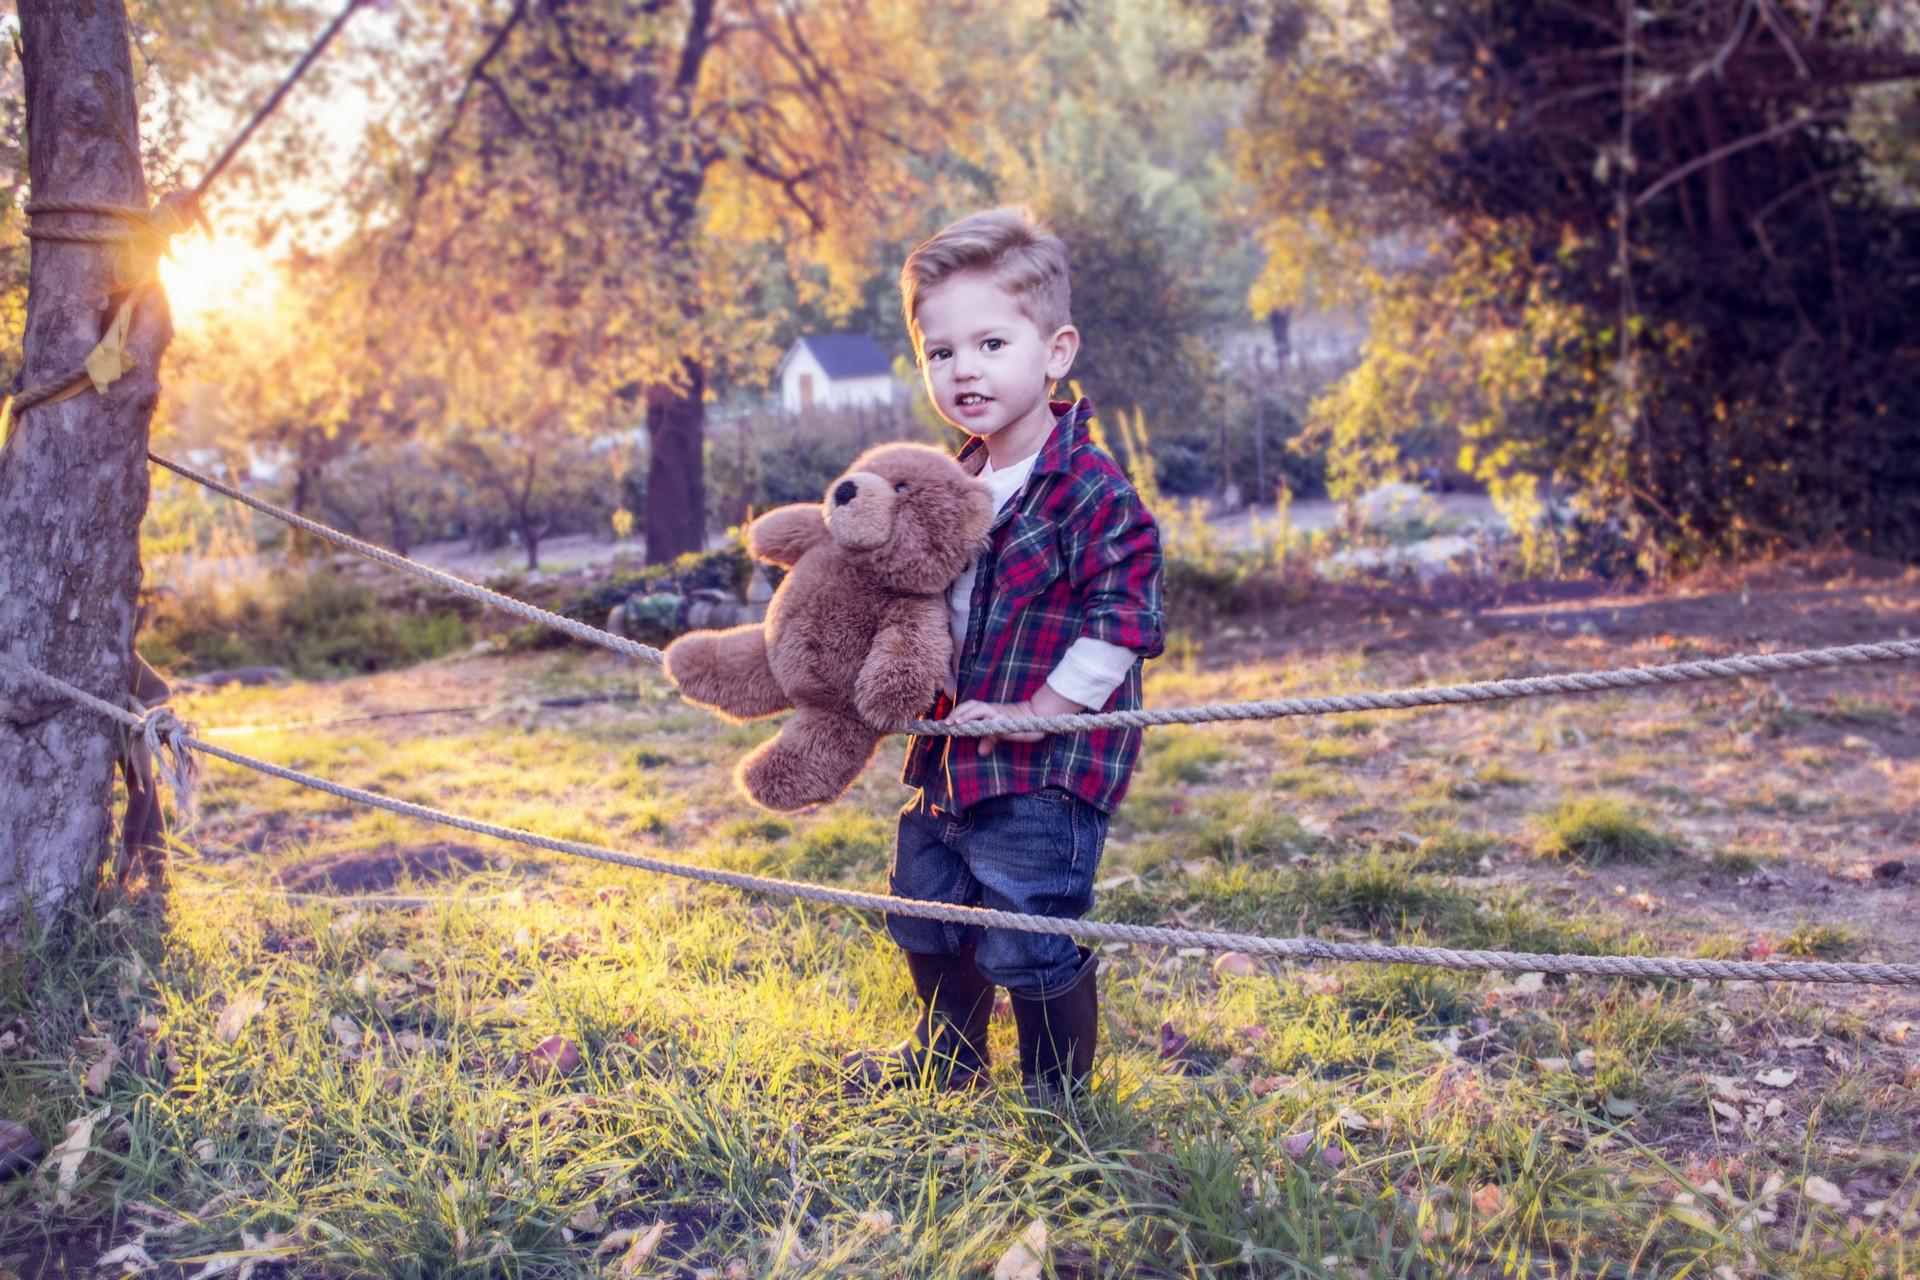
(845, 355)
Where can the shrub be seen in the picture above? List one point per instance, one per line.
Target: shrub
(1601, 831)
(311, 622)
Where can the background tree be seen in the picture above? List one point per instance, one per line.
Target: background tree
(1635, 254)
(621, 175)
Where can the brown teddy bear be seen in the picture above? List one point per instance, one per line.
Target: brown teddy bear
(856, 636)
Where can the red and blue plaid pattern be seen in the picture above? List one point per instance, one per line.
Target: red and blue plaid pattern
(1076, 553)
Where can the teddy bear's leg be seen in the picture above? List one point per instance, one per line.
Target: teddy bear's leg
(814, 759)
(727, 671)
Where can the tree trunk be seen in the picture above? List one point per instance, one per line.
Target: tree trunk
(676, 476)
(73, 480)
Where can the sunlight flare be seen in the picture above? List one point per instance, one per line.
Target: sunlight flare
(218, 276)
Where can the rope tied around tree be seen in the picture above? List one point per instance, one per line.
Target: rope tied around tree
(167, 738)
(177, 737)
(151, 230)
(145, 232)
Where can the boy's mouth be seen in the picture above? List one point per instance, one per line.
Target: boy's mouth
(970, 398)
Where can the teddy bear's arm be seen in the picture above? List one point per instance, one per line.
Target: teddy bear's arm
(727, 671)
(784, 534)
(906, 663)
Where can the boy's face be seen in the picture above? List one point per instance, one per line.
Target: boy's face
(987, 366)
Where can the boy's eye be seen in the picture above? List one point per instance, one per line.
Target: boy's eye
(994, 344)
(938, 353)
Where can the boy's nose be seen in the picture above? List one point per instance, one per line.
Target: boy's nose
(844, 492)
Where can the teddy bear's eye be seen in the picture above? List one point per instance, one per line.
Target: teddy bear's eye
(901, 487)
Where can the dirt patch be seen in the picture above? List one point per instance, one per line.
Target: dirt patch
(373, 870)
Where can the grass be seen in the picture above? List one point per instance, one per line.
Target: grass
(1599, 832)
(382, 1111)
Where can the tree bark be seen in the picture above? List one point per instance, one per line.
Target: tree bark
(676, 468)
(73, 479)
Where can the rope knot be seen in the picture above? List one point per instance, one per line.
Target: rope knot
(165, 737)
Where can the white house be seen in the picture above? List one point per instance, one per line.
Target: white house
(835, 371)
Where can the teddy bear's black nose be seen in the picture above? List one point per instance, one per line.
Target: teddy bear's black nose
(844, 492)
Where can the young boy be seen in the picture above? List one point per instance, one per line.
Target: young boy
(1054, 617)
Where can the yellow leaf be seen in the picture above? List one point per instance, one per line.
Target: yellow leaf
(1489, 1200)
(108, 359)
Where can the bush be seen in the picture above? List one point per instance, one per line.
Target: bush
(311, 623)
(1601, 831)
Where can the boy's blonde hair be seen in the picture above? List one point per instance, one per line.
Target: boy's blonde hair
(1011, 246)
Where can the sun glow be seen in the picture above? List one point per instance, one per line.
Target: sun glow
(218, 277)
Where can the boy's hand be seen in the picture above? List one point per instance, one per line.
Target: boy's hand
(1044, 703)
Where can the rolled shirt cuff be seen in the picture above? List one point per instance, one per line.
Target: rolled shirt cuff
(1090, 671)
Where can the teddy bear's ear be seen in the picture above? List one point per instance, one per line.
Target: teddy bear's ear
(785, 534)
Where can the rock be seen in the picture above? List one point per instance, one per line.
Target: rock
(19, 1149)
(1393, 501)
(1425, 560)
(1889, 871)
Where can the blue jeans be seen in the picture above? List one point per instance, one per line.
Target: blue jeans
(1034, 853)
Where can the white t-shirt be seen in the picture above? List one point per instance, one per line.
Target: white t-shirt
(1089, 671)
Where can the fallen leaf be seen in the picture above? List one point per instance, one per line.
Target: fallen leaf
(393, 960)
(555, 1054)
(346, 1031)
(1173, 1045)
(1685, 1210)
(1621, 1108)
(1332, 1156)
(1726, 1111)
(879, 1221)
(1552, 1064)
(1297, 1144)
(1235, 964)
(240, 1010)
(1820, 1191)
(784, 1245)
(1353, 1121)
(1799, 1042)
(1025, 1258)
(130, 1258)
(634, 1260)
(100, 1072)
(1489, 1200)
(70, 1151)
(1777, 1077)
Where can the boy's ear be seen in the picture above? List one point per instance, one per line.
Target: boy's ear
(1061, 349)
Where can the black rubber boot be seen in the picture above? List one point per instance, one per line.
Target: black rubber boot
(1058, 1029)
(949, 1044)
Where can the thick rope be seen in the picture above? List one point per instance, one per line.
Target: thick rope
(1097, 930)
(1448, 695)
(1731, 668)
(439, 577)
(563, 703)
(165, 736)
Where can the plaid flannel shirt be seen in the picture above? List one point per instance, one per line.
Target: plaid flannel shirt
(1075, 553)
